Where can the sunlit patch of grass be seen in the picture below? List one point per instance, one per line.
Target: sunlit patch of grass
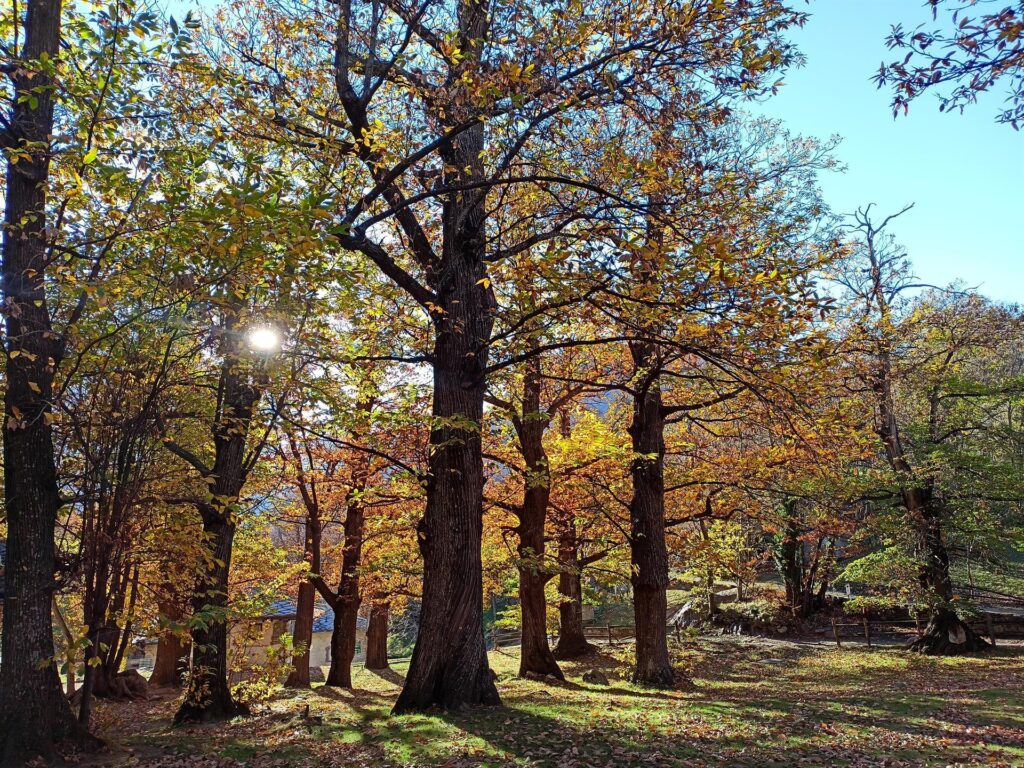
(751, 703)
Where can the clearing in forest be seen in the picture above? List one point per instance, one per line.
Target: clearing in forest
(752, 702)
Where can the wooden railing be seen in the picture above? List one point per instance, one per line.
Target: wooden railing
(992, 625)
(609, 634)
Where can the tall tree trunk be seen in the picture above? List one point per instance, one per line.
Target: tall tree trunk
(346, 611)
(208, 696)
(449, 663)
(302, 633)
(172, 652)
(946, 634)
(648, 552)
(377, 637)
(788, 556)
(535, 656)
(34, 713)
(572, 641)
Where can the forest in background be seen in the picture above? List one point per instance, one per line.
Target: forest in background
(419, 310)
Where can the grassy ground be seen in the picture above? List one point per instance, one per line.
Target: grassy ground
(751, 703)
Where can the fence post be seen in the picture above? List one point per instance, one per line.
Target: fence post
(678, 633)
(991, 628)
(835, 632)
(917, 623)
(610, 641)
(867, 631)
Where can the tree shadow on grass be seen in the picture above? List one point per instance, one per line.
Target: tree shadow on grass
(392, 676)
(350, 696)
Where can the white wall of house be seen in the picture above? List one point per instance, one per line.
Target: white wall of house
(320, 648)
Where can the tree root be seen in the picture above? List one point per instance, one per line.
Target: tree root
(948, 636)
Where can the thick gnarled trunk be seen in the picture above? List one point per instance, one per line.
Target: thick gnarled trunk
(946, 634)
(449, 663)
(648, 552)
(34, 713)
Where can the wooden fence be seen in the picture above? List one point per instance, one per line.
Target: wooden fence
(991, 625)
(609, 634)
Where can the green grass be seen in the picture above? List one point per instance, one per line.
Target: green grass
(750, 703)
(1008, 580)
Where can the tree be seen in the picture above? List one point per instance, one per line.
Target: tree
(485, 93)
(75, 79)
(686, 281)
(913, 361)
(347, 451)
(255, 236)
(983, 46)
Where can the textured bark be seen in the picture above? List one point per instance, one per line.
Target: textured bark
(302, 633)
(572, 641)
(535, 656)
(449, 663)
(172, 659)
(208, 696)
(34, 714)
(346, 607)
(377, 637)
(946, 634)
(648, 553)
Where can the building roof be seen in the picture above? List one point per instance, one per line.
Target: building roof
(279, 609)
(324, 622)
(323, 615)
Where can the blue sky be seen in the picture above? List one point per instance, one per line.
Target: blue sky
(965, 173)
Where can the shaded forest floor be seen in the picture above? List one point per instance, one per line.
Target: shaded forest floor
(752, 703)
